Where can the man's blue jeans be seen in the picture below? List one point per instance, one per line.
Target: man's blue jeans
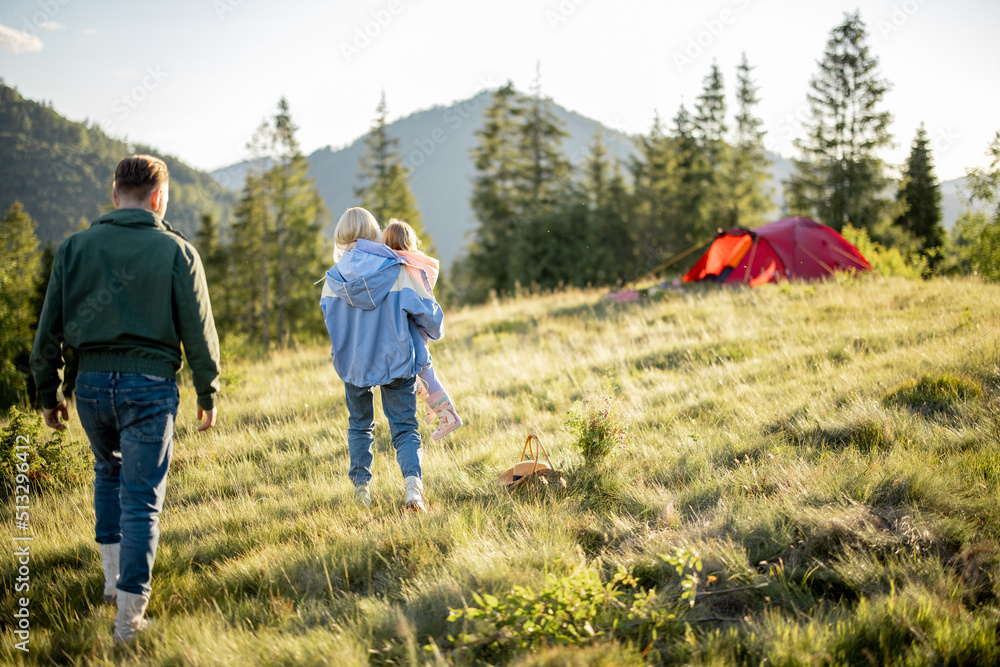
(399, 403)
(129, 420)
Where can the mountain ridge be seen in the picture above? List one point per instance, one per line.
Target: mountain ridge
(61, 171)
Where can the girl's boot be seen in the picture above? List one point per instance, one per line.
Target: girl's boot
(448, 419)
(422, 394)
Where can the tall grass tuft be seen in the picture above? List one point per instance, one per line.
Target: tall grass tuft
(933, 393)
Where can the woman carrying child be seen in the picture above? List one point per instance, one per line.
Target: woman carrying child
(378, 318)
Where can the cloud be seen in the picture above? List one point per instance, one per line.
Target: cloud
(16, 41)
(89, 31)
(53, 25)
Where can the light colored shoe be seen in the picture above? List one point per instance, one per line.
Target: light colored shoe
(426, 397)
(109, 561)
(363, 494)
(130, 619)
(448, 419)
(415, 494)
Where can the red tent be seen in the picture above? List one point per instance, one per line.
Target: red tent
(789, 248)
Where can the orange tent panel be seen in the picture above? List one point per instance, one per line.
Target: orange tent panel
(726, 251)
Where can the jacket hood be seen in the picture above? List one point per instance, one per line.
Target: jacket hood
(364, 275)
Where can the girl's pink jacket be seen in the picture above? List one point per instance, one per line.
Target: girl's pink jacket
(417, 262)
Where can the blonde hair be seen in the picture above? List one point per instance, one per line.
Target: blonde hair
(398, 235)
(356, 223)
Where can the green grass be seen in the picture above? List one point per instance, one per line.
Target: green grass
(831, 450)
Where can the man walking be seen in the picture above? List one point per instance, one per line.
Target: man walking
(126, 294)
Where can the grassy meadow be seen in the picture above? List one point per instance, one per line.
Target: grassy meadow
(829, 454)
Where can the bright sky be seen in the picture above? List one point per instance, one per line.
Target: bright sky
(193, 78)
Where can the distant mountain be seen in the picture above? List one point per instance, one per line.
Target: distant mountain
(436, 145)
(62, 171)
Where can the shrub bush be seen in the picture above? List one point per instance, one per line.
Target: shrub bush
(50, 462)
(885, 261)
(601, 424)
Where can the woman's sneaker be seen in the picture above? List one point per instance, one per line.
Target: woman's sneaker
(415, 494)
(363, 494)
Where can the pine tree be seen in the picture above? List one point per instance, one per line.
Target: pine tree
(495, 199)
(545, 196)
(692, 209)
(545, 173)
(276, 250)
(19, 263)
(710, 120)
(714, 153)
(384, 189)
(300, 215)
(921, 198)
(555, 249)
(261, 147)
(747, 196)
(656, 174)
(839, 178)
(215, 259)
(595, 172)
(245, 251)
(615, 243)
(284, 136)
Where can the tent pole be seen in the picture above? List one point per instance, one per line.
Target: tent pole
(817, 259)
(753, 253)
(851, 257)
(667, 263)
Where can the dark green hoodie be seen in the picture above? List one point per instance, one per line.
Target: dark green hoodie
(126, 293)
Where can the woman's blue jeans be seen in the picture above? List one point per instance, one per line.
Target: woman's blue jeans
(129, 420)
(399, 403)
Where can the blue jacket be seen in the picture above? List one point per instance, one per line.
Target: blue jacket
(375, 313)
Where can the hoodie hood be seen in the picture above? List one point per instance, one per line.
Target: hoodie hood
(378, 316)
(364, 275)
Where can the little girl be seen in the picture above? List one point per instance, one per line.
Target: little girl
(400, 237)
